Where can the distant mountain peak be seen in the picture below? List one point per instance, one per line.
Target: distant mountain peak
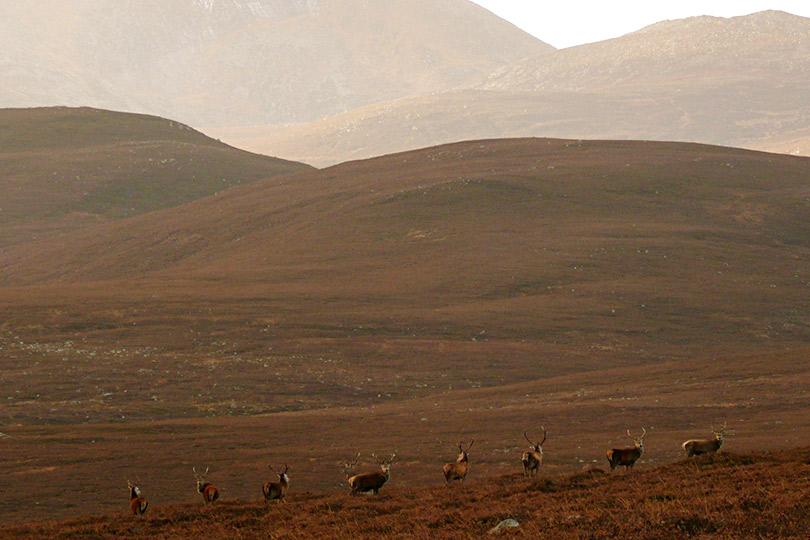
(211, 63)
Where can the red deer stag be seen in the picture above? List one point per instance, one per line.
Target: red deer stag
(137, 503)
(458, 470)
(532, 459)
(695, 447)
(277, 490)
(627, 457)
(370, 481)
(348, 466)
(209, 491)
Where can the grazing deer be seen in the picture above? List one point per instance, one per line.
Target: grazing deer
(209, 491)
(458, 470)
(137, 503)
(627, 457)
(532, 459)
(370, 481)
(277, 490)
(695, 447)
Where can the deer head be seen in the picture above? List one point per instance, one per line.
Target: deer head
(538, 447)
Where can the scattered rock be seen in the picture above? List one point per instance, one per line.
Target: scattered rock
(505, 524)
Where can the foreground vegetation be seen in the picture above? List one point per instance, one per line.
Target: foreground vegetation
(733, 496)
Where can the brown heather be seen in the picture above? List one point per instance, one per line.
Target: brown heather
(399, 305)
(727, 496)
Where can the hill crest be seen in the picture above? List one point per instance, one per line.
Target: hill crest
(63, 169)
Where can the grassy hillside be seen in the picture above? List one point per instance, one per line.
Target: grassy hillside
(623, 243)
(699, 498)
(402, 304)
(63, 168)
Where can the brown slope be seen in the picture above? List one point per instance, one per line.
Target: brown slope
(622, 245)
(738, 82)
(733, 495)
(584, 414)
(64, 168)
(248, 61)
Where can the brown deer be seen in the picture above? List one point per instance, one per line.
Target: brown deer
(209, 491)
(370, 481)
(458, 470)
(627, 457)
(277, 490)
(695, 447)
(137, 503)
(348, 466)
(532, 459)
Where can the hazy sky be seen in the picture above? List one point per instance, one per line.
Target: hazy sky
(573, 22)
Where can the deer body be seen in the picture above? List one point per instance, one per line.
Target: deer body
(370, 481)
(209, 491)
(533, 458)
(458, 470)
(695, 447)
(277, 490)
(137, 503)
(626, 457)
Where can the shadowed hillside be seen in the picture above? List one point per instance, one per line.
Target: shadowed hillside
(63, 169)
(695, 498)
(404, 303)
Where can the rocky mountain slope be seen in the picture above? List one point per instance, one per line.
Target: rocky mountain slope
(245, 62)
(738, 82)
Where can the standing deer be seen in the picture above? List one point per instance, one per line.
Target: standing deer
(695, 447)
(277, 490)
(137, 503)
(370, 481)
(348, 466)
(627, 457)
(458, 470)
(209, 491)
(532, 459)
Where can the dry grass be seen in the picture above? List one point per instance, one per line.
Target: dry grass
(728, 496)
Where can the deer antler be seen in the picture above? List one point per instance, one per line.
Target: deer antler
(527, 438)
(544, 435)
(721, 430)
(350, 464)
(199, 476)
(643, 433)
(472, 442)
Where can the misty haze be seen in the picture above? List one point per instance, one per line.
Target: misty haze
(260, 257)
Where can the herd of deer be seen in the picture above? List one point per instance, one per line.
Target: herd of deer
(367, 482)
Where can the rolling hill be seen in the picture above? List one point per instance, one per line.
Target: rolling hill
(736, 82)
(324, 82)
(401, 304)
(62, 169)
(566, 254)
